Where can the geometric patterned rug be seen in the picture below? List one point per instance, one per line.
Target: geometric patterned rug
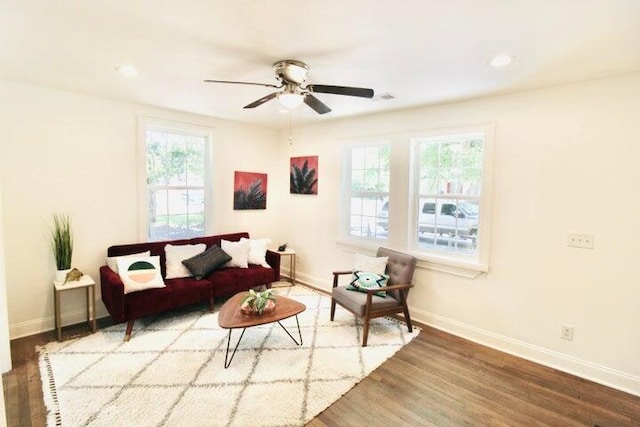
(171, 372)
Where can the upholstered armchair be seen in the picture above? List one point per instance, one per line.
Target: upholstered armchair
(366, 305)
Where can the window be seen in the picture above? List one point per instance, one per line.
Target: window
(367, 190)
(447, 182)
(176, 181)
(439, 206)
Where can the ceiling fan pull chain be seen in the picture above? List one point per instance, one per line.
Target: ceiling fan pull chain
(290, 137)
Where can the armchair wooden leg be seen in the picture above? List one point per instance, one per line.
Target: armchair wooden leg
(127, 334)
(365, 332)
(333, 309)
(211, 304)
(407, 318)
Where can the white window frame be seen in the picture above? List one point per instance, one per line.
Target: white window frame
(347, 193)
(447, 261)
(148, 123)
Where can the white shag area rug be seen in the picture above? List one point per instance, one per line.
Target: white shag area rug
(172, 371)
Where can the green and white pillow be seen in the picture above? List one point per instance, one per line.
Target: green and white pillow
(140, 273)
(363, 280)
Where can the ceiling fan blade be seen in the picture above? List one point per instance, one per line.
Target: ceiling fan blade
(243, 83)
(262, 100)
(342, 90)
(317, 105)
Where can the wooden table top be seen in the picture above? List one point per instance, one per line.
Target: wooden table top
(230, 316)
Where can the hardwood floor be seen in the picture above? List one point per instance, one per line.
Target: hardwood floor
(437, 380)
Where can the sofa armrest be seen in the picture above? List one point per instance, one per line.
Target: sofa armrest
(273, 259)
(112, 290)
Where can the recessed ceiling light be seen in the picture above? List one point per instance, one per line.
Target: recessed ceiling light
(501, 60)
(127, 70)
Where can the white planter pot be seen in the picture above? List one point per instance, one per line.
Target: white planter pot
(61, 275)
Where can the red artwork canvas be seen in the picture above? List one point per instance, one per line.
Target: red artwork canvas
(303, 175)
(249, 190)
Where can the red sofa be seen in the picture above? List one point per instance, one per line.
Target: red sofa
(180, 292)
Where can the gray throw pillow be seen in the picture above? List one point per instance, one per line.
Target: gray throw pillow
(207, 261)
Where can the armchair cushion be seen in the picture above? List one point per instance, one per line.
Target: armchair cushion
(372, 264)
(357, 301)
(363, 280)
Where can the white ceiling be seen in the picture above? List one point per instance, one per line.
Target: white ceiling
(421, 51)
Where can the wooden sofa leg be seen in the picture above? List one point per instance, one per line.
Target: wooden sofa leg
(333, 309)
(127, 334)
(211, 304)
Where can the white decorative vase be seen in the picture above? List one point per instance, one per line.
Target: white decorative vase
(61, 275)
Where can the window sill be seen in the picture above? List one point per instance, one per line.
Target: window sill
(456, 267)
(469, 270)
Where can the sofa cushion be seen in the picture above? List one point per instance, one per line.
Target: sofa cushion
(175, 254)
(228, 281)
(238, 251)
(207, 261)
(258, 251)
(177, 293)
(140, 273)
(112, 261)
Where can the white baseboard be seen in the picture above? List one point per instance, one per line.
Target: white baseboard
(553, 359)
(572, 365)
(48, 323)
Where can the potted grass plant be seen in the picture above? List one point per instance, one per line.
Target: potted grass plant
(62, 244)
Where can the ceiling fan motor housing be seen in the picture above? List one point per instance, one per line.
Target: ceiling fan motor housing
(291, 71)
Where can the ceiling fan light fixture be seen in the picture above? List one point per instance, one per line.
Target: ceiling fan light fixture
(291, 101)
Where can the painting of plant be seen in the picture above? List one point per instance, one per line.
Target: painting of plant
(249, 190)
(303, 175)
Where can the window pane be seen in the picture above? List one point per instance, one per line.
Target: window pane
(176, 171)
(448, 224)
(357, 180)
(369, 187)
(195, 160)
(369, 217)
(450, 177)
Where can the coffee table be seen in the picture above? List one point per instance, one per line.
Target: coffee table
(230, 317)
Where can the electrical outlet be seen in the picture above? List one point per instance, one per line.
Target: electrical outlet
(580, 240)
(566, 332)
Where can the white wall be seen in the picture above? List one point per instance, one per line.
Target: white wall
(566, 159)
(5, 348)
(65, 152)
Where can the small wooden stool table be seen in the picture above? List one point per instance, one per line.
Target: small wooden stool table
(89, 285)
(230, 317)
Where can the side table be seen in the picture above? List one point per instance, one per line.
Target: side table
(292, 263)
(89, 285)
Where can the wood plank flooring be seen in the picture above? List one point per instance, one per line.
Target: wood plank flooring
(437, 380)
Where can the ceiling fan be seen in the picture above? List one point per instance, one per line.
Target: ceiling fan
(291, 75)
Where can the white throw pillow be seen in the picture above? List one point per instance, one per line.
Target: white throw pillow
(112, 261)
(371, 264)
(175, 254)
(140, 273)
(258, 251)
(238, 251)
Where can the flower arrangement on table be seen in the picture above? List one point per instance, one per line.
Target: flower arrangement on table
(258, 302)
